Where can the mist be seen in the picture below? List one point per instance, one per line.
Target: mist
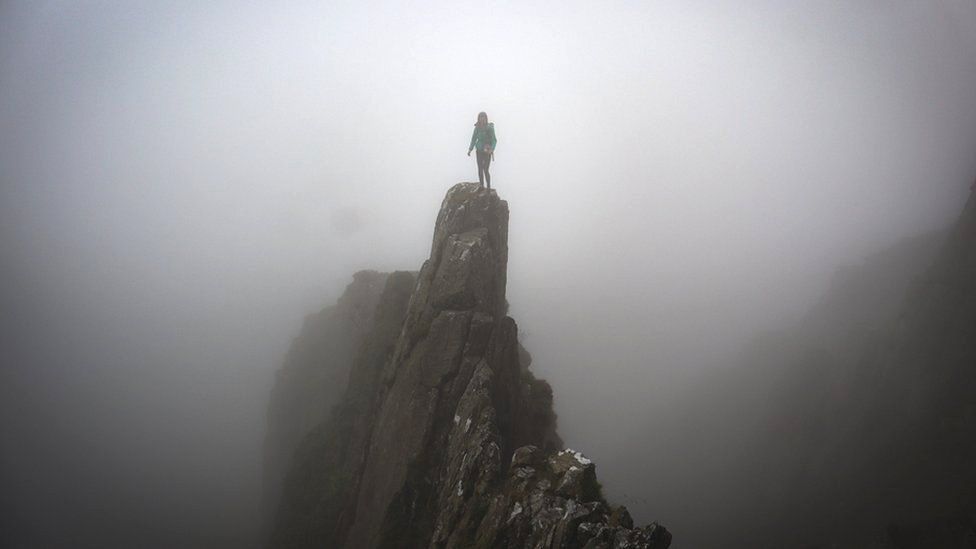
(181, 184)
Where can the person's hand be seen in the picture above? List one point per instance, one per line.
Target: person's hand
(469, 153)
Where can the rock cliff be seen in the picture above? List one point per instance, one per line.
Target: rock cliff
(854, 428)
(313, 376)
(443, 437)
(897, 465)
(916, 414)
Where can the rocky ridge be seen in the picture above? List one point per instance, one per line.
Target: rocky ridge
(443, 437)
(860, 417)
(313, 375)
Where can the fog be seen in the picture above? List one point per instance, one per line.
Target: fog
(182, 182)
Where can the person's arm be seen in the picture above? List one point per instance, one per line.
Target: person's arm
(493, 140)
(473, 135)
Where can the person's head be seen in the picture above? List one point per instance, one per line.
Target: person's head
(482, 119)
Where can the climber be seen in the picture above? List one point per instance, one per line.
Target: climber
(483, 139)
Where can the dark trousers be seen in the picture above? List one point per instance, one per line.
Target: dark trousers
(484, 159)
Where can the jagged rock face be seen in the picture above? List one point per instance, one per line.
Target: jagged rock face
(875, 434)
(917, 409)
(902, 451)
(430, 461)
(787, 437)
(933, 350)
(457, 357)
(319, 495)
(314, 374)
(554, 500)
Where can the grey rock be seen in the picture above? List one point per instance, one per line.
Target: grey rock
(314, 375)
(449, 440)
(315, 509)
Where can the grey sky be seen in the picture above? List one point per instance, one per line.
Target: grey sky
(192, 178)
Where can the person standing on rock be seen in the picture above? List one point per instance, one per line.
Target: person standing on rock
(483, 141)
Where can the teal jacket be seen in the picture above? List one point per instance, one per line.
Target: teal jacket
(483, 137)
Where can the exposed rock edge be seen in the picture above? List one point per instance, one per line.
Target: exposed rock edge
(444, 438)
